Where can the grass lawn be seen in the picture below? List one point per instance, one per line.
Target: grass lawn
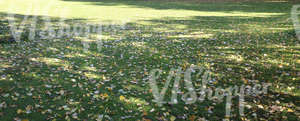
(56, 79)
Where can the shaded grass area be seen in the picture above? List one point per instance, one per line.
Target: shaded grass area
(56, 79)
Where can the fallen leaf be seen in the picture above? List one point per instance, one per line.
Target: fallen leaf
(172, 118)
(122, 98)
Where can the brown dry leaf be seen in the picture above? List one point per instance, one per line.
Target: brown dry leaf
(245, 80)
(145, 113)
(192, 118)
(144, 119)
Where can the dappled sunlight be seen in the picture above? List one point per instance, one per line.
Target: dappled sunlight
(91, 75)
(237, 58)
(195, 35)
(133, 100)
(134, 103)
(287, 89)
(3, 65)
(277, 46)
(279, 63)
(53, 49)
(139, 44)
(88, 68)
(73, 55)
(51, 61)
(282, 29)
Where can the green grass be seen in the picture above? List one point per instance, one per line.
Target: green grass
(239, 42)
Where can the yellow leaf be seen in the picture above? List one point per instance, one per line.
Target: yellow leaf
(25, 120)
(105, 95)
(290, 110)
(122, 97)
(245, 80)
(172, 118)
(145, 113)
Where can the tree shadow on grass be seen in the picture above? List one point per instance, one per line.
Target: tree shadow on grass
(260, 7)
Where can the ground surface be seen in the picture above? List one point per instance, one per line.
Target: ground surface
(55, 79)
